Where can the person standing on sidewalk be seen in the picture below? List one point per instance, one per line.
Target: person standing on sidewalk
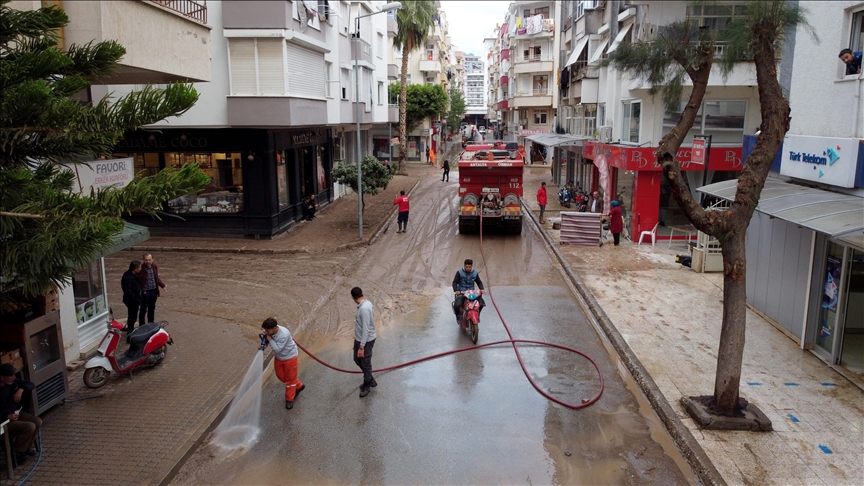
(446, 175)
(364, 339)
(131, 294)
(596, 203)
(541, 199)
(150, 284)
(404, 205)
(285, 359)
(22, 426)
(616, 222)
(432, 156)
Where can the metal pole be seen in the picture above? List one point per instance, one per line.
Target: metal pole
(705, 171)
(357, 119)
(389, 138)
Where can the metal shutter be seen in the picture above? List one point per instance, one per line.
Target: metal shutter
(305, 72)
(271, 70)
(242, 52)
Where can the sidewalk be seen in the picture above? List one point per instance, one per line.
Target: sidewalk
(670, 317)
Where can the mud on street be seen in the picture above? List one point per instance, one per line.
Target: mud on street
(468, 418)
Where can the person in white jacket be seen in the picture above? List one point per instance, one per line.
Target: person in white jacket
(285, 362)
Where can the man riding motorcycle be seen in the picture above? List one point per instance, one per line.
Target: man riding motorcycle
(464, 281)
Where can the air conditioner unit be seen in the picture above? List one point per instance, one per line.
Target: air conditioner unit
(605, 134)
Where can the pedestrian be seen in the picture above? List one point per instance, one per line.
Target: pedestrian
(150, 285)
(596, 203)
(364, 339)
(285, 359)
(131, 294)
(427, 154)
(446, 175)
(431, 156)
(616, 222)
(402, 219)
(23, 427)
(541, 199)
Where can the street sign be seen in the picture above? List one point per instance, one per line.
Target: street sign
(697, 152)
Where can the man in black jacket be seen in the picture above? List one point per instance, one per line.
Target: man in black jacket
(22, 425)
(131, 293)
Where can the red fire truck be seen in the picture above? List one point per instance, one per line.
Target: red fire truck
(490, 184)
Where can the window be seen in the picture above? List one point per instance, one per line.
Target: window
(544, 11)
(539, 117)
(430, 54)
(303, 14)
(282, 179)
(856, 39)
(87, 286)
(526, 13)
(601, 115)
(407, 79)
(379, 48)
(716, 16)
(257, 66)
(306, 76)
(328, 74)
(541, 85)
(722, 119)
(632, 116)
(380, 93)
(345, 83)
(532, 53)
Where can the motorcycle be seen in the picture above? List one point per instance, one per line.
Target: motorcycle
(469, 320)
(147, 347)
(565, 197)
(581, 201)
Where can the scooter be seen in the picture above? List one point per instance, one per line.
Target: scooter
(147, 347)
(565, 197)
(470, 317)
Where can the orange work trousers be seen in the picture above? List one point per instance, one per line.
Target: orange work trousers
(286, 371)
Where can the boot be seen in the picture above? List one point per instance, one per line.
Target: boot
(404, 227)
(399, 228)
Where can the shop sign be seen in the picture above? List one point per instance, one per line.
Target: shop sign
(100, 174)
(697, 152)
(636, 158)
(525, 133)
(819, 159)
(425, 132)
(179, 143)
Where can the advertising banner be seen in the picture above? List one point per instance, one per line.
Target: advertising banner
(99, 174)
(820, 159)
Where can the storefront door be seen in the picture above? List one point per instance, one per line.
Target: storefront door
(852, 347)
(839, 326)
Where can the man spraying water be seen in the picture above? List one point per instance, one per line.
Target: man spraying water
(285, 362)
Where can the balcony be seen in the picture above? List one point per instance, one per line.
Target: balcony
(503, 105)
(504, 80)
(546, 29)
(392, 71)
(534, 97)
(392, 27)
(430, 66)
(505, 54)
(165, 41)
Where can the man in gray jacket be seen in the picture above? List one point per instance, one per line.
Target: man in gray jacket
(364, 338)
(285, 362)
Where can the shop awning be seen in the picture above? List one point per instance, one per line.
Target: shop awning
(577, 51)
(619, 38)
(131, 235)
(555, 140)
(836, 215)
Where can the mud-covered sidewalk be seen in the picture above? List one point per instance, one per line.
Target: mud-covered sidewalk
(670, 316)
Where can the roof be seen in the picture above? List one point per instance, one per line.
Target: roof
(131, 235)
(555, 140)
(832, 213)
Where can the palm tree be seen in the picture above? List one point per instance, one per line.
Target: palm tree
(413, 21)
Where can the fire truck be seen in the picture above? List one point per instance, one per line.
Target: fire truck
(490, 184)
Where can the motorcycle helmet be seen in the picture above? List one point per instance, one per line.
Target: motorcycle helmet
(472, 296)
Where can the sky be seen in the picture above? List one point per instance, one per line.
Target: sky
(472, 20)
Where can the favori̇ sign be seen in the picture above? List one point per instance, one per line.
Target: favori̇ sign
(99, 174)
(819, 159)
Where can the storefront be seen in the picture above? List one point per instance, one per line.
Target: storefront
(258, 178)
(805, 247)
(632, 176)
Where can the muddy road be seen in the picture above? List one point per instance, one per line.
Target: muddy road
(469, 418)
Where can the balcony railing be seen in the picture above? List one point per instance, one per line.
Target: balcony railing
(536, 58)
(194, 9)
(534, 92)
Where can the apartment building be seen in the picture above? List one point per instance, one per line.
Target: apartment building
(805, 243)
(475, 89)
(527, 48)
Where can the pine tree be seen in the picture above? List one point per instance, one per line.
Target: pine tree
(46, 229)
(685, 52)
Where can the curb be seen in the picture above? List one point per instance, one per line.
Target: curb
(687, 445)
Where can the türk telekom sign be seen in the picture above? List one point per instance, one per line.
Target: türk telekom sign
(99, 174)
(826, 160)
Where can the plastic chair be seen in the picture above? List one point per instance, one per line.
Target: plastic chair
(652, 234)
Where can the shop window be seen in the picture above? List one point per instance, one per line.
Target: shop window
(632, 117)
(89, 292)
(224, 194)
(282, 179)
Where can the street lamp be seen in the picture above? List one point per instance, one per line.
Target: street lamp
(384, 8)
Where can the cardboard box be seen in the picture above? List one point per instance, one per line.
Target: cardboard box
(5, 357)
(18, 363)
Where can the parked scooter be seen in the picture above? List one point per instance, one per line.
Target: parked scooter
(147, 347)
(565, 197)
(470, 318)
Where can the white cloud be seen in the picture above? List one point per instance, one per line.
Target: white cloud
(471, 21)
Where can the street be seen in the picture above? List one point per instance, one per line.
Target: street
(468, 418)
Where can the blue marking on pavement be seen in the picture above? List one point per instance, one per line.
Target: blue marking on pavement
(825, 449)
(754, 383)
(791, 384)
(829, 384)
(793, 418)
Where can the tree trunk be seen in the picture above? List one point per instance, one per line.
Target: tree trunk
(731, 351)
(403, 108)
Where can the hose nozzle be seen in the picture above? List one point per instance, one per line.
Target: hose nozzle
(264, 342)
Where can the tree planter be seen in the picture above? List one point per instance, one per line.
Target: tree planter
(748, 416)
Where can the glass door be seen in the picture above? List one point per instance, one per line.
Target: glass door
(830, 302)
(852, 347)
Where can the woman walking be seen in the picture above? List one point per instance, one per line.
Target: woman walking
(616, 221)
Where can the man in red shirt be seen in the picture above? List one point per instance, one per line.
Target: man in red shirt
(541, 199)
(402, 220)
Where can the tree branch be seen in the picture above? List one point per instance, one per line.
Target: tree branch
(21, 215)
